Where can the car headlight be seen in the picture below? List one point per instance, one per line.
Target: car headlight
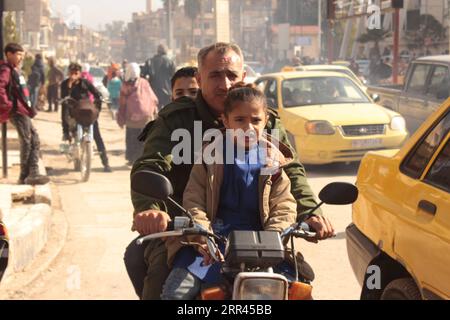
(398, 124)
(267, 288)
(319, 128)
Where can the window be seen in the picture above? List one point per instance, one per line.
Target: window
(271, 93)
(321, 90)
(418, 159)
(418, 79)
(440, 83)
(439, 174)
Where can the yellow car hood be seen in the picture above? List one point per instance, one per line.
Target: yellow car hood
(343, 114)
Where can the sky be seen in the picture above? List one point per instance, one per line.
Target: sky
(99, 12)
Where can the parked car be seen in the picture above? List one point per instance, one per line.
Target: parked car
(329, 118)
(426, 87)
(401, 221)
(4, 249)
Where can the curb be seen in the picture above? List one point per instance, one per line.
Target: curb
(37, 233)
(14, 285)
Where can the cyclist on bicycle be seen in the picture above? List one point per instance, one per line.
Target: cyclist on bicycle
(78, 88)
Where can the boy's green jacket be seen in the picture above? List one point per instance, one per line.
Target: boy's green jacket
(182, 114)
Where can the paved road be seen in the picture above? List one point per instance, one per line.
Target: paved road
(99, 215)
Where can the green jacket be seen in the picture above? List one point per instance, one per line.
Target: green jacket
(157, 157)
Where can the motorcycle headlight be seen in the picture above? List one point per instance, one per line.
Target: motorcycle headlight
(398, 124)
(319, 128)
(262, 287)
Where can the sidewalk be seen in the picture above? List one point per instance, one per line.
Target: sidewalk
(28, 215)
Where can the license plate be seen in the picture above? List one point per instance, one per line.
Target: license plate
(366, 143)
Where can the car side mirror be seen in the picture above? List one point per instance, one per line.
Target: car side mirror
(376, 97)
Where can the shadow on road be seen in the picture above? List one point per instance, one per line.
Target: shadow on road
(117, 168)
(332, 170)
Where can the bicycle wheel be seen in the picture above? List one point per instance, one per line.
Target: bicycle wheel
(85, 160)
(75, 156)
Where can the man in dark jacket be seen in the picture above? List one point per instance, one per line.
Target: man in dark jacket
(36, 79)
(78, 88)
(161, 71)
(55, 77)
(15, 105)
(220, 66)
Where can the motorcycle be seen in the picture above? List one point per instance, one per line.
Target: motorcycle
(250, 256)
(4, 249)
(81, 130)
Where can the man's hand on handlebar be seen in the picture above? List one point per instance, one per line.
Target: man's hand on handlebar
(322, 226)
(151, 222)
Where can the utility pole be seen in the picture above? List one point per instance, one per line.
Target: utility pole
(169, 25)
(4, 128)
(319, 22)
(396, 44)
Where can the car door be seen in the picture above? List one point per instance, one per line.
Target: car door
(412, 101)
(422, 237)
(438, 89)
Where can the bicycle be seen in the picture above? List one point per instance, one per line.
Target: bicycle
(81, 129)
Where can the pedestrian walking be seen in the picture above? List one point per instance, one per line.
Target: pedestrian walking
(162, 69)
(55, 77)
(114, 86)
(138, 106)
(36, 80)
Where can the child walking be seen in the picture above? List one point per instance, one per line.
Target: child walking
(248, 192)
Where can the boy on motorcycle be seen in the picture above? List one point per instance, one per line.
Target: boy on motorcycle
(250, 193)
(78, 88)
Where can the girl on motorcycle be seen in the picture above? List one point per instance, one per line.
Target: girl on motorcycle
(250, 192)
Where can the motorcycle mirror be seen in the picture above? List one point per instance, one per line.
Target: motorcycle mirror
(151, 184)
(339, 193)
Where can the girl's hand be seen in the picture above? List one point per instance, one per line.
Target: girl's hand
(207, 259)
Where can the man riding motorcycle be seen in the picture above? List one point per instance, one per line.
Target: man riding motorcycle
(78, 88)
(220, 66)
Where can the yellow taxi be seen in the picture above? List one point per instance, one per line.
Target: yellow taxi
(399, 241)
(329, 118)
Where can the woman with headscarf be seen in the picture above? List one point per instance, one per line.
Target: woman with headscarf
(138, 106)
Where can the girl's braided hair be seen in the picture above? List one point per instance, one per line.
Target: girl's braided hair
(244, 92)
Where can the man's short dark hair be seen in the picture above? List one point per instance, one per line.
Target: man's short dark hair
(187, 72)
(13, 48)
(74, 66)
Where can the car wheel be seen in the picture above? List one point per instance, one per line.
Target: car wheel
(401, 289)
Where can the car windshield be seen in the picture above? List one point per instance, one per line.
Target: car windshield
(97, 72)
(344, 71)
(321, 90)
